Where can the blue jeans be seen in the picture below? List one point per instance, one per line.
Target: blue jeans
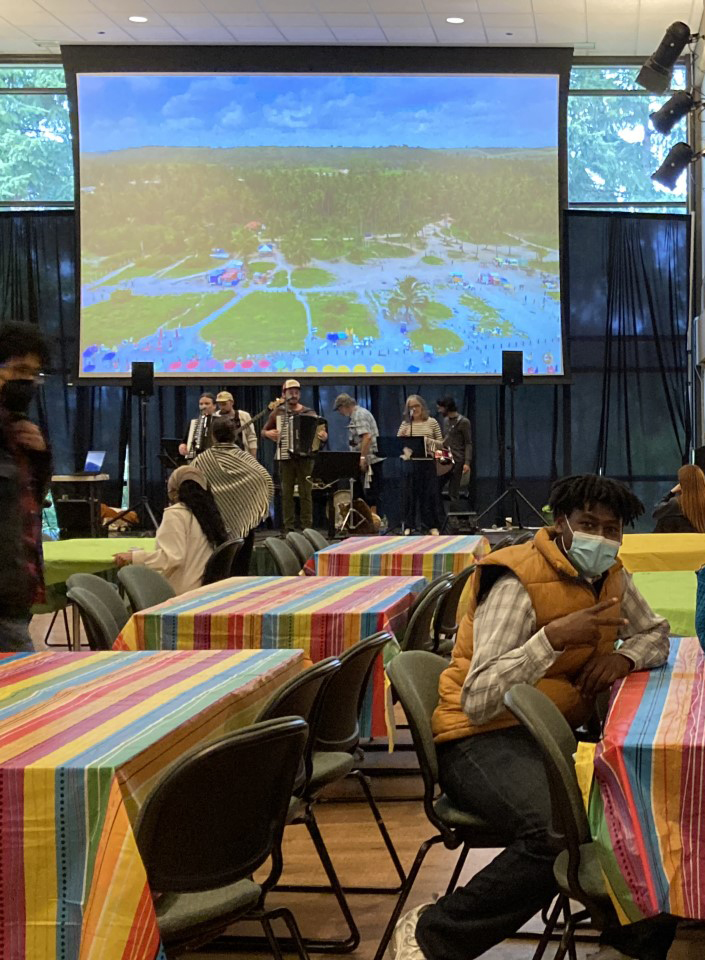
(500, 776)
(14, 635)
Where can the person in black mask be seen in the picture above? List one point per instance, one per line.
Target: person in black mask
(25, 469)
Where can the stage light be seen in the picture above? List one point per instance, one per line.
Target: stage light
(673, 166)
(673, 110)
(137, 19)
(655, 75)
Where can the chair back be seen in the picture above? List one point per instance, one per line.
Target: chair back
(221, 561)
(285, 560)
(501, 544)
(98, 622)
(414, 674)
(316, 539)
(445, 623)
(524, 537)
(557, 744)
(220, 811)
(144, 587)
(302, 697)
(339, 721)
(301, 545)
(105, 592)
(417, 635)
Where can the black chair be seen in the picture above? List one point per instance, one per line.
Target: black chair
(285, 560)
(445, 623)
(202, 865)
(417, 634)
(144, 587)
(337, 754)
(105, 592)
(221, 561)
(98, 622)
(414, 675)
(501, 544)
(301, 545)
(303, 696)
(524, 537)
(577, 868)
(316, 539)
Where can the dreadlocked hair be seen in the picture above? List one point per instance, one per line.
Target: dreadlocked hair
(587, 489)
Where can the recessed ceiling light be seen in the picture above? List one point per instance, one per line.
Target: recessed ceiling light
(455, 19)
(137, 19)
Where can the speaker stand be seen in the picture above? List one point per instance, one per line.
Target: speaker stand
(512, 491)
(141, 506)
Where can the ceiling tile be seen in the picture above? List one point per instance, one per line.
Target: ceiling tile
(166, 7)
(505, 6)
(233, 6)
(447, 33)
(359, 34)
(473, 21)
(343, 6)
(191, 21)
(410, 34)
(403, 20)
(450, 8)
(307, 20)
(308, 34)
(559, 29)
(258, 35)
(397, 6)
(508, 21)
(355, 20)
(233, 21)
(289, 6)
(507, 38)
(149, 34)
(56, 33)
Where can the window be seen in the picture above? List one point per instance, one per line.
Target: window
(612, 146)
(36, 164)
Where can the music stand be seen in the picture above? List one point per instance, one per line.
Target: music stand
(329, 468)
(395, 448)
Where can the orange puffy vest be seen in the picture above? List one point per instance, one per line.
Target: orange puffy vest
(556, 589)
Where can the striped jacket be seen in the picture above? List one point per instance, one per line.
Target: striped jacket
(241, 486)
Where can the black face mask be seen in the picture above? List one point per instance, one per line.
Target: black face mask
(18, 394)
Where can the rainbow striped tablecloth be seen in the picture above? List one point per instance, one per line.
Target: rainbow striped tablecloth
(83, 739)
(322, 616)
(398, 556)
(650, 768)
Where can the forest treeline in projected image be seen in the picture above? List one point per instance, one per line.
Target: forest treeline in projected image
(331, 260)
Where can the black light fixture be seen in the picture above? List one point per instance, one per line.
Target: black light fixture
(655, 75)
(677, 159)
(673, 110)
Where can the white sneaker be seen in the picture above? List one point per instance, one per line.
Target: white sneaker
(434, 531)
(403, 945)
(407, 531)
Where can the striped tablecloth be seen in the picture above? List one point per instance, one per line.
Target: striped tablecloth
(398, 556)
(83, 739)
(650, 768)
(321, 615)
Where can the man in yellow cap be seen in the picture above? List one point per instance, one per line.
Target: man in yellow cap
(246, 437)
(295, 466)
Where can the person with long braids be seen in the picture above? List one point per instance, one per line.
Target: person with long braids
(190, 530)
(560, 613)
(683, 509)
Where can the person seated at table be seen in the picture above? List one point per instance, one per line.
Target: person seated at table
(241, 486)
(549, 612)
(683, 509)
(190, 530)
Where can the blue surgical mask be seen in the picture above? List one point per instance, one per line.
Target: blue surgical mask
(590, 554)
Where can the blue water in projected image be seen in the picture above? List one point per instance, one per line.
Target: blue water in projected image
(320, 224)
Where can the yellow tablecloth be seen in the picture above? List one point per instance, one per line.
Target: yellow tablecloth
(663, 551)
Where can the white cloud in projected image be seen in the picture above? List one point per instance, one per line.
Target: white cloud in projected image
(325, 111)
(328, 225)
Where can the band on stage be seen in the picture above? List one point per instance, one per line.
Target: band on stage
(428, 456)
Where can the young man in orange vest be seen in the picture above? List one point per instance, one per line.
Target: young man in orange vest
(547, 613)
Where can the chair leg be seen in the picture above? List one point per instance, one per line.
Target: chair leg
(453, 882)
(290, 920)
(550, 921)
(567, 944)
(404, 895)
(271, 939)
(51, 627)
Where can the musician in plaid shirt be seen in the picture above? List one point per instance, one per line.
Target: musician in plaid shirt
(25, 469)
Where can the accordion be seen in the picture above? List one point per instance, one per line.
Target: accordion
(301, 434)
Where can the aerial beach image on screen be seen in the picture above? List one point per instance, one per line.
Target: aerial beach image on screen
(331, 225)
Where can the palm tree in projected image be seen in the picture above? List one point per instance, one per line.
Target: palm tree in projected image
(245, 244)
(408, 298)
(298, 249)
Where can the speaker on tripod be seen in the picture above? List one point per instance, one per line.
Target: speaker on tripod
(142, 387)
(512, 377)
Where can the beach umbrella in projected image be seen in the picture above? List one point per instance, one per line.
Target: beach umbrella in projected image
(109, 356)
(412, 369)
(264, 364)
(193, 364)
(281, 365)
(89, 351)
(212, 364)
(247, 364)
(175, 365)
(297, 364)
(229, 365)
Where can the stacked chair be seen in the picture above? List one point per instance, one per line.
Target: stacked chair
(222, 562)
(285, 560)
(302, 547)
(102, 610)
(144, 587)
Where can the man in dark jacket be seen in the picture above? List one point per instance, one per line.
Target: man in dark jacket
(25, 469)
(457, 437)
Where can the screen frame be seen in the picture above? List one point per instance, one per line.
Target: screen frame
(296, 59)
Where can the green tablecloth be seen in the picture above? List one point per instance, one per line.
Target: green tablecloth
(64, 557)
(672, 594)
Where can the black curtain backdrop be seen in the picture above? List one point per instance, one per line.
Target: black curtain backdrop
(624, 409)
